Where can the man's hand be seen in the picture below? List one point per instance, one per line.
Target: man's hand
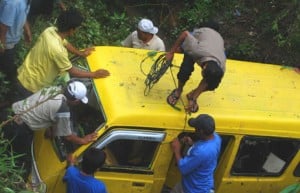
(76, 72)
(169, 56)
(71, 159)
(101, 73)
(81, 140)
(187, 140)
(86, 52)
(49, 133)
(89, 138)
(176, 147)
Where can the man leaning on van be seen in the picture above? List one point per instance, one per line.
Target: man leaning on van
(198, 165)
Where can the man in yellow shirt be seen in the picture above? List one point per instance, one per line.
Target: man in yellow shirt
(49, 57)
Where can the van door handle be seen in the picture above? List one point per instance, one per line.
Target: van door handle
(138, 184)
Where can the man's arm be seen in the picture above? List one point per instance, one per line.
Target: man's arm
(86, 52)
(71, 160)
(27, 32)
(76, 72)
(3, 31)
(81, 141)
(176, 146)
(176, 46)
(186, 164)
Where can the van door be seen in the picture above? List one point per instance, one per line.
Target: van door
(137, 160)
(174, 175)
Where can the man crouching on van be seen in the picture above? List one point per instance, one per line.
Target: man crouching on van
(198, 166)
(48, 108)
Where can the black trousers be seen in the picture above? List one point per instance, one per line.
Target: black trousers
(7, 64)
(186, 68)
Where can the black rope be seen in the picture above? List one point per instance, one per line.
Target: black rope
(158, 69)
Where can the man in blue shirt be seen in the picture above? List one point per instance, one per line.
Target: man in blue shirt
(83, 181)
(198, 166)
(13, 22)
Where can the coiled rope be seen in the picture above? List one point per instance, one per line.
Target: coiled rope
(158, 69)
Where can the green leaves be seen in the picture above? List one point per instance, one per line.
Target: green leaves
(10, 175)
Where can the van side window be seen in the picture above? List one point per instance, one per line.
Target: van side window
(264, 156)
(130, 150)
(128, 153)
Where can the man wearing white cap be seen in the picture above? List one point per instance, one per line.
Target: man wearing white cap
(47, 109)
(144, 37)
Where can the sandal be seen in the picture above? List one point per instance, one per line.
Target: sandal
(173, 98)
(192, 104)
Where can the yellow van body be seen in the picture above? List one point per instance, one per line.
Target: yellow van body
(256, 107)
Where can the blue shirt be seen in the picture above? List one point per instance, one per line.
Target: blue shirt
(13, 13)
(79, 183)
(197, 167)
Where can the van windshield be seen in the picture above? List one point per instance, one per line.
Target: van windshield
(86, 118)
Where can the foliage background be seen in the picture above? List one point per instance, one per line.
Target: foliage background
(266, 31)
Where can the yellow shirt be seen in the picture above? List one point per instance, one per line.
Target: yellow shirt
(45, 61)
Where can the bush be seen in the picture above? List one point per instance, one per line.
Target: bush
(11, 180)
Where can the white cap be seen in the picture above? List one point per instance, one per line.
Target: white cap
(146, 25)
(78, 91)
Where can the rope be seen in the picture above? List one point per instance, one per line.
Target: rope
(181, 100)
(158, 69)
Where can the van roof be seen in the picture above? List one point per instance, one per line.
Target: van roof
(252, 97)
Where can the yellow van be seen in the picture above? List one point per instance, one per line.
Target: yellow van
(256, 109)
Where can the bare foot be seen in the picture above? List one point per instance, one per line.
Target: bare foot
(297, 69)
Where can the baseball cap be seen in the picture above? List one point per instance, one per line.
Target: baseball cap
(146, 25)
(78, 90)
(203, 122)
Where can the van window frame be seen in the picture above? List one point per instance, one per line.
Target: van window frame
(261, 140)
(60, 145)
(138, 134)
